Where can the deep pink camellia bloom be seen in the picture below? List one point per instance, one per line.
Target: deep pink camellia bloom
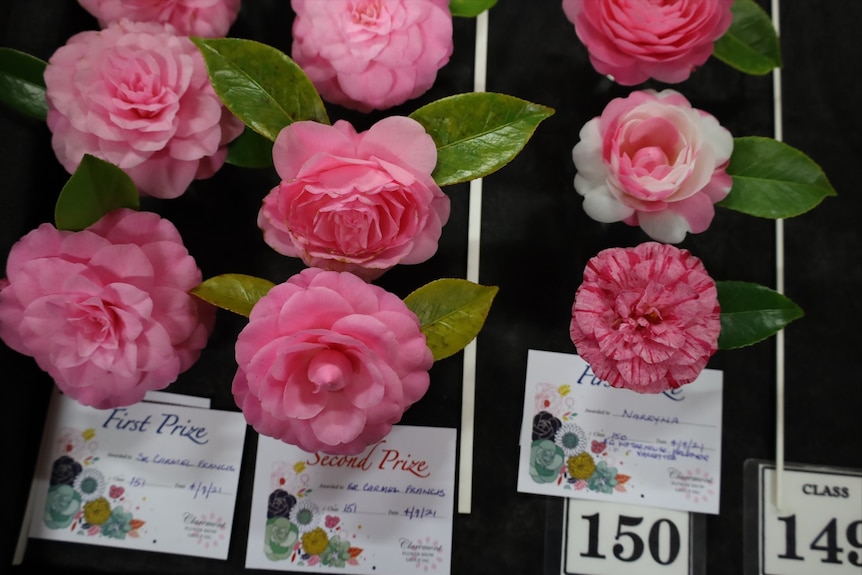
(646, 318)
(651, 160)
(207, 18)
(138, 96)
(358, 202)
(371, 54)
(106, 311)
(634, 40)
(329, 363)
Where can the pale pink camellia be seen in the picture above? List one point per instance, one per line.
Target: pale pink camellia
(206, 18)
(371, 54)
(329, 363)
(646, 318)
(651, 160)
(138, 96)
(106, 311)
(634, 40)
(358, 202)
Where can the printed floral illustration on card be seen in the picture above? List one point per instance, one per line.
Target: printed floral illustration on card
(81, 498)
(562, 452)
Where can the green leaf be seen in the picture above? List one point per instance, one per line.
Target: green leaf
(262, 86)
(96, 188)
(250, 150)
(22, 86)
(469, 8)
(478, 133)
(751, 313)
(773, 180)
(234, 292)
(451, 312)
(751, 44)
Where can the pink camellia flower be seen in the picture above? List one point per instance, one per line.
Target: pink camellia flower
(329, 363)
(652, 160)
(633, 40)
(646, 318)
(359, 202)
(106, 311)
(371, 54)
(207, 18)
(138, 96)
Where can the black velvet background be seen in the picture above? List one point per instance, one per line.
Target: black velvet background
(535, 242)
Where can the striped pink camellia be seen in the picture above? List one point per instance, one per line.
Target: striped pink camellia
(371, 54)
(206, 18)
(646, 318)
(106, 311)
(634, 40)
(654, 161)
(329, 363)
(138, 95)
(357, 202)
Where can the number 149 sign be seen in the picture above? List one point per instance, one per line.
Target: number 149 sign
(817, 529)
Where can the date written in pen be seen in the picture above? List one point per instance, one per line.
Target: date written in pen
(411, 512)
(198, 488)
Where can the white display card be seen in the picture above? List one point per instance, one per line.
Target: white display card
(386, 511)
(148, 476)
(582, 438)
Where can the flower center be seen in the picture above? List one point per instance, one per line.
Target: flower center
(304, 516)
(329, 370)
(367, 12)
(89, 485)
(570, 440)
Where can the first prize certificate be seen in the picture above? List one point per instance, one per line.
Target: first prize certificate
(148, 476)
(386, 511)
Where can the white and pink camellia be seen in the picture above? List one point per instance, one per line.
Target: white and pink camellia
(371, 54)
(651, 160)
(634, 40)
(646, 318)
(138, 96)
(358, 202)
(329, 363)
(106, 311)
(206, 18)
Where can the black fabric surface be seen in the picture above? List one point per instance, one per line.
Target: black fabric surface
(536, 240)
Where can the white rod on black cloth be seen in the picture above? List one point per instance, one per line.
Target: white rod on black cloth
(474, 230)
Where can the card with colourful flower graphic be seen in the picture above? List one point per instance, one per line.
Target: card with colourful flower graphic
(582, 438)
(152, 477)
(387, 509)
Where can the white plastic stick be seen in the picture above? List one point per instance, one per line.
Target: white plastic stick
(779, 286)
(474, 232)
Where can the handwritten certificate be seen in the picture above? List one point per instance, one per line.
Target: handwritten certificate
(582, 438)
(386, 511)
(148, 476)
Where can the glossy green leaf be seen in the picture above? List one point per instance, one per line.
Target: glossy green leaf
(250, 150)
(22, 86)
(773, 180)
(751, 44)
(261, 85)
(96, 188)
(452, 312)
(751, 313)
(469, 8)
(478, 133)
(234, 292)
